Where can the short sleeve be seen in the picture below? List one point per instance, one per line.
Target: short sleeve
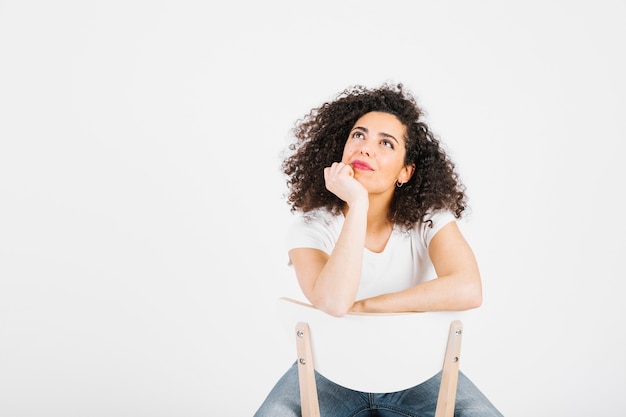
(311, 231)
(434, 223)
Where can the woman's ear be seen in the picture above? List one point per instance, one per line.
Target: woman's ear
(406, 173)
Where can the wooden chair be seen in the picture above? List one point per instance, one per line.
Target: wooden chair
(347, 351)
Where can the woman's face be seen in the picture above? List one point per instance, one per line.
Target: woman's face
(375, 150)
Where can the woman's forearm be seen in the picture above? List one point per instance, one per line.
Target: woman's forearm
(335, 289)
(446, 293)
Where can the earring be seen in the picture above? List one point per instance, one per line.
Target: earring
(399, 184)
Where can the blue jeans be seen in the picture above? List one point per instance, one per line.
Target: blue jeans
(337, 401)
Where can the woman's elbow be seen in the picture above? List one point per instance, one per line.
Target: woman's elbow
(475, 302)
(338, 313)
(474, 298)
(333, 307)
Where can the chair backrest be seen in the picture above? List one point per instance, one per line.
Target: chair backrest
(373, 352)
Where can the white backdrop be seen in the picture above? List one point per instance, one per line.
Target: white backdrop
(142, 210)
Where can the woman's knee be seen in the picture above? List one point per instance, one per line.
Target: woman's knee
(284, 398)
(283, 408)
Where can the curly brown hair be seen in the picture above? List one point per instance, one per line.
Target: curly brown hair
(321, 136)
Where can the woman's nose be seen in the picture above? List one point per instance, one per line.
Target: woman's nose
(364, 148)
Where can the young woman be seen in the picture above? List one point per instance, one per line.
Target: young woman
(377, 199)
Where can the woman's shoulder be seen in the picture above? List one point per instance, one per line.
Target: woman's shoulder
(432, 222)
(317, 228)
(319, 215)
(317, 219)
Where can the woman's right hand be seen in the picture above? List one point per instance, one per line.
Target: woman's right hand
(340, 181)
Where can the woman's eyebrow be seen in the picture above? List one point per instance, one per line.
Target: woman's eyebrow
(387, 135)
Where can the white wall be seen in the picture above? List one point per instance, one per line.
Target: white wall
(141, 209)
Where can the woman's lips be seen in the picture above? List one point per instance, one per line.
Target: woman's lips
(360, 165)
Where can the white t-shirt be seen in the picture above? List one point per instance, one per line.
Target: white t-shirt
(402, 264)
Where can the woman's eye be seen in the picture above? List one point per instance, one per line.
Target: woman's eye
(387, 143)
(358, 135)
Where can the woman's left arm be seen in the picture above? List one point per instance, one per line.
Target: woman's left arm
(457, 286)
